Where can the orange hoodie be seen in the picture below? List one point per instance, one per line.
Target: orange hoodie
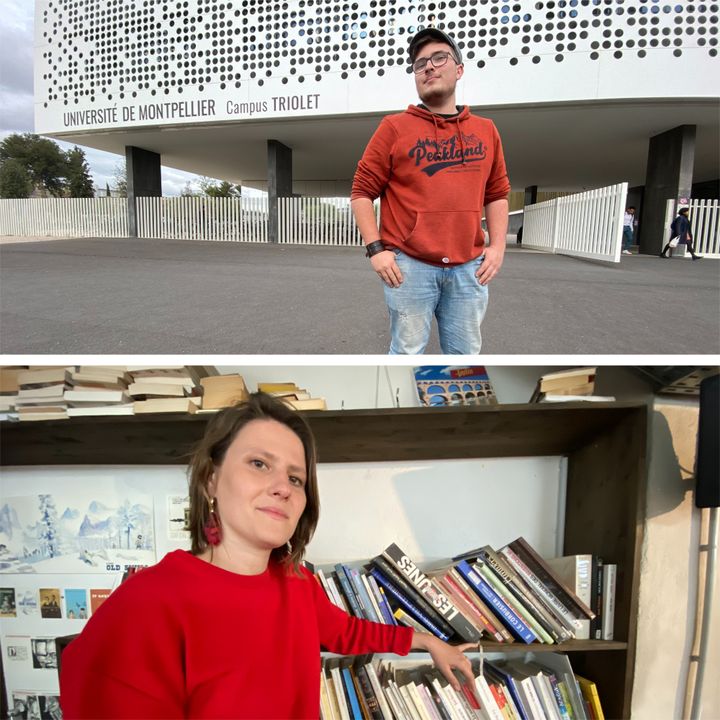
(434, 176)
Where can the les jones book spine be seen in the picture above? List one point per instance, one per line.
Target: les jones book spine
(514, 623)
(407, 605)
(426, 588)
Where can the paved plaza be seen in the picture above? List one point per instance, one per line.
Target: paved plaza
(100, 296)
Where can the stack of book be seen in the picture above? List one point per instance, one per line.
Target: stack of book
(567, 386)
(505, 596)
(167, 389)
(41, 393)
(99, 390)
(220, 391)
(296, 397)
(9, 389)
(539, 686)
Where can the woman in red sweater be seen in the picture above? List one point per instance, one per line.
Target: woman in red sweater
(233, 628)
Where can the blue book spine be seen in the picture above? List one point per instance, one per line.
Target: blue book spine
(516, 626)
(348, 591)
(363, 595)
(352, 695)
(408, 606)
(558, 697)
(379, 594)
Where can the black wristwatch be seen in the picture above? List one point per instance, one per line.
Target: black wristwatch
(374, 248)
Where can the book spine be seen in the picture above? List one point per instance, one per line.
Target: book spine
(405, 619)
(469, 608)
(609, 582)
(517, 586)
(407, 605)
(496, 626)
(340, 694)
(360, 692)
(379, 691)
(514, 623)
(360, 592)
(353, 702)
(559, 700)
(339, 597)
(439, 702)
(368, 689)
(511, 601)
(377, 591)
(599, 599)
(554, 583)
(347, 589)
(550, 601)
(401, 583)
(440, 603)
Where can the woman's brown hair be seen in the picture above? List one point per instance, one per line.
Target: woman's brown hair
(210, 452)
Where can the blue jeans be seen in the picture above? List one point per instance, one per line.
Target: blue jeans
(627, 238)
(452, 294)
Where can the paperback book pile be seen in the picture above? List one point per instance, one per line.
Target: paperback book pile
(534, 687)
(41, 393)
(567, 386)
(220, 391)
(167, 389)
(441, 385)
(98, 390)
(296, 397)
(9, 390)
(504, 596)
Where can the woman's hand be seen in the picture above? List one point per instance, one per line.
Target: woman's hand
(447, 658)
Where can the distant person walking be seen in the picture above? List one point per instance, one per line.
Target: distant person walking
(628, 230)
(681, 229)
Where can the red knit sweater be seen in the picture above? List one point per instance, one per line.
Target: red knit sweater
(187, 639)
(434, 176)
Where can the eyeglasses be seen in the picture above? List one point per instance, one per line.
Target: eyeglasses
(438, 59)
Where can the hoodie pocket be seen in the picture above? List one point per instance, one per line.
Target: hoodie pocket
(446, 237)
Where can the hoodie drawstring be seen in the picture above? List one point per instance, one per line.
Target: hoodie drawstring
(462, 144)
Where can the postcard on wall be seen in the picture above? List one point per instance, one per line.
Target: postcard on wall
(7, 603)
(44, 654)
(178, 524)
(443, 385)
(17, 648)
(25, 704)
(50, 603)
(98, 597)
(76, 604)
(103, 529)
(27, 602)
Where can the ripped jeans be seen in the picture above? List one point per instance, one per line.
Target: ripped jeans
(452, 294)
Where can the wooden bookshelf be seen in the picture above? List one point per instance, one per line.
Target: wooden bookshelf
(605, 446)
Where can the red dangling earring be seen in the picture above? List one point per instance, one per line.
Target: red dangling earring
(213, 533)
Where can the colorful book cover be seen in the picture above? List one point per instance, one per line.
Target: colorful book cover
(7, 603)
(443, 385)
(97, 598)
(76, 604)
(50, 603)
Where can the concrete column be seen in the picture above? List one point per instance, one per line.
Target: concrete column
(279, 182)
(531, 193)
(142, 168)
(671, 157)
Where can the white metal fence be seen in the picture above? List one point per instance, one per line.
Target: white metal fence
(64, 217)
(587, 225)
(704, 219)
(203, 218)
(317, 221)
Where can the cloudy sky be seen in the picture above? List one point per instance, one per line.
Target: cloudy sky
(16, 95)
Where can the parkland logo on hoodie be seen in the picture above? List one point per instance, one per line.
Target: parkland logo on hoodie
(436, 155)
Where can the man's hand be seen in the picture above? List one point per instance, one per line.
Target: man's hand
(385, 266)
(490, 267)
(447, 658)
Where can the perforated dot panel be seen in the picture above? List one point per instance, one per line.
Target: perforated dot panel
(109, 50)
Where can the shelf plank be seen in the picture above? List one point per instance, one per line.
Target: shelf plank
(342, 436)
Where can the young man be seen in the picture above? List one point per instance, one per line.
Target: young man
(435, 167)
(628, 230)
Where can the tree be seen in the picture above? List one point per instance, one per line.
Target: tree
(15, 180)
(78, 180)
(213, 188)
(49, 530)
(43, 158)
(188, 190)
(120, 179)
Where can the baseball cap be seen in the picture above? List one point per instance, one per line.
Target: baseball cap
(432, 34)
